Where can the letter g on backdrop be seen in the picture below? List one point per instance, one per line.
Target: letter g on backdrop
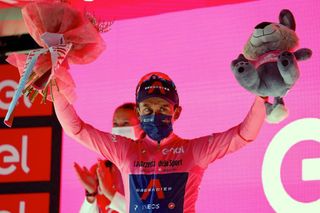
(287, 137)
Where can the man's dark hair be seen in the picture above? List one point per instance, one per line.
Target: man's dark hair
(108, 163)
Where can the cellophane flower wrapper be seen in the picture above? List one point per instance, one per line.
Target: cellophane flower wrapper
(65, 36)
(61, 18)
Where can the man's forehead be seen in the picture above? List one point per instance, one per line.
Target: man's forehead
(154, 101)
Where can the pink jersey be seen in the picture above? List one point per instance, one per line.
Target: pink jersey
(165, 177)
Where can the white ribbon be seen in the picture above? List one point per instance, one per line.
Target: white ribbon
(58, 51)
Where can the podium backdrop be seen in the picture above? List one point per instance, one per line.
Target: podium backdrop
(195, 46)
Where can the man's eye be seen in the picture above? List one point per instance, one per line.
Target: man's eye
(162, 109)
(115, 124)
(147, 110)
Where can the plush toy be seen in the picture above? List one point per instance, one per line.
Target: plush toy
(268, 65)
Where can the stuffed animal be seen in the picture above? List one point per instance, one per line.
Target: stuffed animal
(268, 65)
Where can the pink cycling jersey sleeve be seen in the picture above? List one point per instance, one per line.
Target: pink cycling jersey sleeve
(106, 144)
(209, 148)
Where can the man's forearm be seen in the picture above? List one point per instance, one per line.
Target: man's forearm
(250, 127)
(67, 116)
(98, 141)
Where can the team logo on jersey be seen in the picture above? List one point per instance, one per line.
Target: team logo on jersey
(154, 185)
(157, 192)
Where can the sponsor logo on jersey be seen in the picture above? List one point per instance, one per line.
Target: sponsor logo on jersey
(144, 164)
(173, 150)
(170, 163)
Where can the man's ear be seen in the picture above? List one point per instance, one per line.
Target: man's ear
(137, 111)
(177, 113)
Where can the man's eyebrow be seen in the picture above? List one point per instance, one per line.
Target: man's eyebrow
(165, 105)
(145, 105)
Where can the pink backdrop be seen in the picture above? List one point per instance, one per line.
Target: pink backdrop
(195, 48)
